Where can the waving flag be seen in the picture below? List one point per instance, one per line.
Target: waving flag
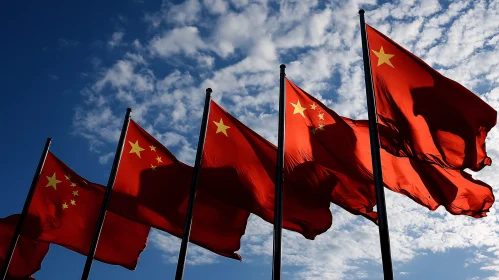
(64, 211)
(429, 116)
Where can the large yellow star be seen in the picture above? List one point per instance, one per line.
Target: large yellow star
(221, 127)
(135, 148)
(52, 181)
(383, 57)
(298, 108)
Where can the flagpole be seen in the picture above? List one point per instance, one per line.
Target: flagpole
(107, 195)
(276, 259)
(192, 193)
(27, 202)
(384, 235)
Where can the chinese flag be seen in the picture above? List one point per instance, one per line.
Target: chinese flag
(64, 211)
(429, 116)
(152, 187)
(342, 146)
(239, 167)
(28, 255)
(316, 136)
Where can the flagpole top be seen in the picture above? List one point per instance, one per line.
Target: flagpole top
(209, 90)
(282, 66)
(129, 109)
(361, 11)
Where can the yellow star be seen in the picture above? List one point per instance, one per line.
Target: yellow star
(321, 126)
(314, 130)
(321, 116)
(383, 57)
(313, 106)
(75, 193)
(221, 127)
(153, 167)
(152, 148)
(298, 108)
(73, 185)
(135, 148)
(52, 181)
(73, 202)
(158, 158)
(67, 177)
(64, 206)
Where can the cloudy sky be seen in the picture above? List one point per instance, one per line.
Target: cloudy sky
(69, 70)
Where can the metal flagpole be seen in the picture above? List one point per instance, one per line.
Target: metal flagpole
(384, 235)
(192, 193)
(27, 202)
(276, 260)
(107, 195)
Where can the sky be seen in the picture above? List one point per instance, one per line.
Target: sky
(69, 69)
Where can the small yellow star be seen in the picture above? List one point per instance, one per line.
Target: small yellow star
(73, 185)
(153, 167)
(321, 116)
(64, 206)
(298, 108)
(314, 130)
(383, 57)
(152, 148)
(75, 193)
(52, 181)
(67, 177)
(158, 158)
(313, 106)
(221, 127)
(135, 148)
(73, 202)
(321, 126)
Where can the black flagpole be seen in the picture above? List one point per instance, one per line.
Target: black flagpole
(192, 193)
(384, 235)
(107, 195)
(27, 202)
(276, 260)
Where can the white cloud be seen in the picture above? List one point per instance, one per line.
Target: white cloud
(116, 39)
(179, 40)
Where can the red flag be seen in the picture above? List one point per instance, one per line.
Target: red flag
(429, 116)
(152, 187)
(317, 136)
(239, 168)
(64, 211)
(28, 255)
(342, 145)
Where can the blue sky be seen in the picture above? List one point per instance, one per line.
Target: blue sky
(70, 69)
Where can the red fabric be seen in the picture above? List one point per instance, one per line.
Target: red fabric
(342, 146)
(317, 136)
(73, 227)
(158, 197)
(28, 255)
(239, 167)
(429, 116)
